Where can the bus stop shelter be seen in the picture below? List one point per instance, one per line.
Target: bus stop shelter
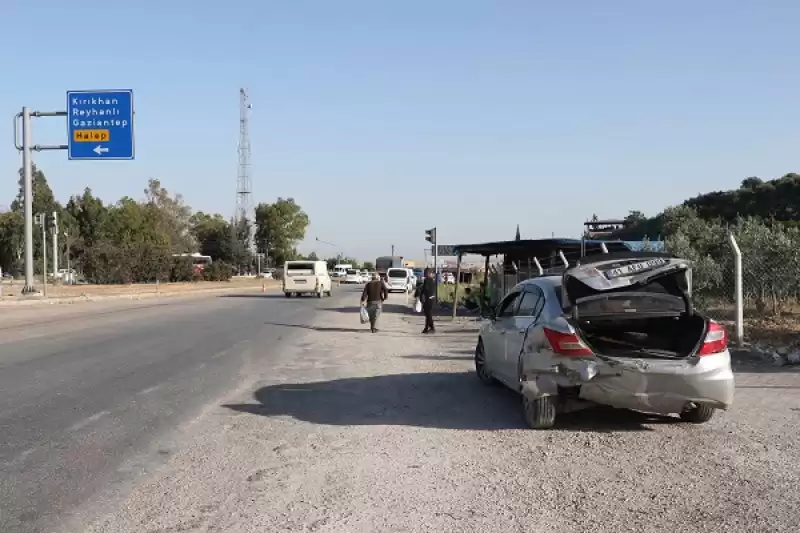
(542, 256)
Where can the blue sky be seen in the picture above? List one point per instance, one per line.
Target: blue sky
(385, 118)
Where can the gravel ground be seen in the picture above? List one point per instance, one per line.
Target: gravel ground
(355, 432)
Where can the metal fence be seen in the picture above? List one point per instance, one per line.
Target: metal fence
(747, 283)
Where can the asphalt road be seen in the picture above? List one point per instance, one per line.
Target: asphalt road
(89, 400)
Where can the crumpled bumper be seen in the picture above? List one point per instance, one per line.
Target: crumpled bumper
(651, 385)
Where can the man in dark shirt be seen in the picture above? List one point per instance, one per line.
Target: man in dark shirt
(374, 294)
(427, 296)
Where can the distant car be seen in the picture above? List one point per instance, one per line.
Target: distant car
(352, 276)
(399, 279)
(619, 330)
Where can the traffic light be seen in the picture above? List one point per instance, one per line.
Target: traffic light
(430, 235)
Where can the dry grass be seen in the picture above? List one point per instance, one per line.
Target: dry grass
(12, 291)
(760, 325)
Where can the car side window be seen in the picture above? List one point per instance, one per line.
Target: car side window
(508, 306)
(540, 304)
(530, 303)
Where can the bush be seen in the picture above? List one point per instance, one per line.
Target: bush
(182, 269)
(770, 259)
(218, 271)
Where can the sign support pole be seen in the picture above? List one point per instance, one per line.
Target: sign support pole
(88, 138)
(27, 185)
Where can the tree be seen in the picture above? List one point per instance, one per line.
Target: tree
(279, 227)
(368, 265)
(171, 216)
(43, 202)
(213, 235)
(236, 248)
(11, 240)
(140, 240)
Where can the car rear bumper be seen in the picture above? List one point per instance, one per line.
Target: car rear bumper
(651, 385)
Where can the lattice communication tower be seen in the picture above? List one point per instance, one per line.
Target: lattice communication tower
(244, 184)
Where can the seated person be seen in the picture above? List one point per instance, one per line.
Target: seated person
(476, 300)
(471, 301)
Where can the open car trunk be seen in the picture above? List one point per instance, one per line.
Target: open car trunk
(634, 305)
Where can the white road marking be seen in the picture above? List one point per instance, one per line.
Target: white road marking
(86, 421)
(148, 390)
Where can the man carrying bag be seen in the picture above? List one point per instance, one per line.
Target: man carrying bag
(427, 295)
(372, 298)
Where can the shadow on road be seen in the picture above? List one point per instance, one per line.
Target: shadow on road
(320, 328)
(387, 308)
(744, 362)
(255, 295)
(430, 400)
(442, 357)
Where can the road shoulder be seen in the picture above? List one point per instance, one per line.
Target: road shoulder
(393, 432)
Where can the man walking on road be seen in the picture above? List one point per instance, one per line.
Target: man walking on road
(427, 296)
(374, 294)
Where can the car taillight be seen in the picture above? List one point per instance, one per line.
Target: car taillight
(567, 343)
(716, 340)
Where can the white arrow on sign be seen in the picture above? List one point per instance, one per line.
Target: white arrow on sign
(100, 150)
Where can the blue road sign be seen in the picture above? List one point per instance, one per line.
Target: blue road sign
(100, 124)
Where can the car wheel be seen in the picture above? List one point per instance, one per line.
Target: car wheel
(480, 365)
(288, 294)
(540, 413)
(698, 414)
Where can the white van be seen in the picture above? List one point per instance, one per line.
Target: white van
(399, 279)
(306, 277)
(340, 270)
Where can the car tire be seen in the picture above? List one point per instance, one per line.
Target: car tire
(698, 414)
(288, 294)
(480, 366)
(540, 413)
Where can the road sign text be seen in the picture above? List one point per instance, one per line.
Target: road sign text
(100, 124)
(88, 136)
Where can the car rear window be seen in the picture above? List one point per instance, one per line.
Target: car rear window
(397, 274)
(631, 303)
(299, 266)
(351, 272)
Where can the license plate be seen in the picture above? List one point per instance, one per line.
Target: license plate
(635, 268)
(299, 281)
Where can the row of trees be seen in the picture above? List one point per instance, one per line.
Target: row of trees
(136, 240)
(764, 218)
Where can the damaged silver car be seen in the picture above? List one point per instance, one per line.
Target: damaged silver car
(617, 329)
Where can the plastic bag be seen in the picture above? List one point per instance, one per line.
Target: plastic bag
(417, 306)
(364, 315)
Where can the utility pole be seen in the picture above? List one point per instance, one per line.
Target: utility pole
(41, 219)
(54, 231)
(393, 250)
(68, 247)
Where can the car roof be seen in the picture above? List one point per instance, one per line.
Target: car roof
(552, 281)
